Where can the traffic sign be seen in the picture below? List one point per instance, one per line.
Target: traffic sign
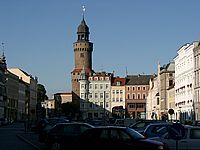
(171, 111)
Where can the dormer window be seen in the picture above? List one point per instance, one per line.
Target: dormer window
(118, 83)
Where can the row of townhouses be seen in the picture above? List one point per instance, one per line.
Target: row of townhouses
(18, 93)
(174, 87)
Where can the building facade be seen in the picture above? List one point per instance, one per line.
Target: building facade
(118, 97)
(184, 85)
(30, 85)
(197, 81)
(95, 99)
(137, 87)
(166, 75)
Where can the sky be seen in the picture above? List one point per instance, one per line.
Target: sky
(129, 36)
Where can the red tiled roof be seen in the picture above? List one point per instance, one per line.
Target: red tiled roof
(118, 79)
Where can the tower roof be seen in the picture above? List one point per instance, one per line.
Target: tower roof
(83, 27)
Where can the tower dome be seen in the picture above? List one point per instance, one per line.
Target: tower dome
(83, 27)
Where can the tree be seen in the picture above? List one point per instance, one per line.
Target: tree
(41, 93)
(69, 109)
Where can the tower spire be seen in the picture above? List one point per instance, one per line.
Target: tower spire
(83, 11)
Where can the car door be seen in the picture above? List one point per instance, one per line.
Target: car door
(193, 140)
(119, 139)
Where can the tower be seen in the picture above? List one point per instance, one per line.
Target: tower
(82, 58)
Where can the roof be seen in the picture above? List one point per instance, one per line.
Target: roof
(138, 79)
(118, 79)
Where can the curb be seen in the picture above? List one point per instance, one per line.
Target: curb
(27, 141)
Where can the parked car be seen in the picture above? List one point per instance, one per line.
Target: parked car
(47, 125)
(65, 135)
(157, 129)
(117, 137)
(190, 141)
(141, 125)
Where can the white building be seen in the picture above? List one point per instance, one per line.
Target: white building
(95, 99)
(184, 82)
(197, 80)
(152, 104)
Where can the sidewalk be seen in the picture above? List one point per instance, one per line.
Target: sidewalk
(32, 139)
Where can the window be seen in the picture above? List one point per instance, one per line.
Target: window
(144, 88)
(96, 95)
(101, 95)
(133, 96)
(90, 95)
(138, 96)
(81, 54)
(101, 78)
(95, 86)
(133, 88)
(117, 99)
(195, 133)
(82, 86)
(138, 88)
(101, 86)
(170, 82)
(107, 104)
(107, 78)
(82, 95)
(157, 101)
(107, 95)
(117, 91)
(107, 86)
(128, 96)
(95, 78)
(90, 86)
(144, 96)
(118, 83)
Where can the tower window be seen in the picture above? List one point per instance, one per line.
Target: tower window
(81, 54)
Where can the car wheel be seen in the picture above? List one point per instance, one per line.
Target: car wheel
(55, 146)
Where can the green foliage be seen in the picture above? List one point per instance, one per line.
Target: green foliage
(41, 93)
(70, 109)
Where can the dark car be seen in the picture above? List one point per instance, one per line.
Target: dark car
(65, 135)
(142, 124)
(47, 125)
(117, 137)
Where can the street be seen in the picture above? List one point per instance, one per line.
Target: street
(13, 137)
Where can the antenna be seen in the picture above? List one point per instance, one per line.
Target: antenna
(126, 71)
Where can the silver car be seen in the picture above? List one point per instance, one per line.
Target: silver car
(190, 141)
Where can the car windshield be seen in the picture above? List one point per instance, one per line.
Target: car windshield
(135, 134)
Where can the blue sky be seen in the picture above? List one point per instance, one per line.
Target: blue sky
(132, 35)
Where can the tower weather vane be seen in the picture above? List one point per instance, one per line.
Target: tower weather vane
(83, 10)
